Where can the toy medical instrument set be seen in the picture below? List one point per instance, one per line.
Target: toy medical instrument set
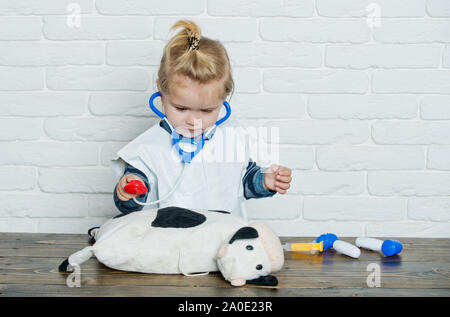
(303, 247)
(387, 247)
(137, 188)
(324, 242)
(330, 241)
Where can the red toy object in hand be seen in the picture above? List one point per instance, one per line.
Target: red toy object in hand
(135, 187)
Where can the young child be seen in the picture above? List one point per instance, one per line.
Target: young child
(194, 79)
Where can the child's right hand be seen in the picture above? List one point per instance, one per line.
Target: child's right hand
(120, 191)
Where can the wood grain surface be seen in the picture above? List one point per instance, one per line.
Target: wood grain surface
(29, 267)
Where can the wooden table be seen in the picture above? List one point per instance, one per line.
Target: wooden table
(29, 267)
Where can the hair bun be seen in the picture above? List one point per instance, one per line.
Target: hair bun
(190, 32)
(193, 42)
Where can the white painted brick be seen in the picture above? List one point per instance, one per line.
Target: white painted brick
(274, 54)
(12, 129)
(98, 28)
(109, 151)
(42, 104)
(38, 7)
(412, 31)
(321, 132)
(247, 80)
(21, 78)
(97, 129)
(76, 180)
(383, 56)
(411, 81)
(439, 157)
(417, 132)
(43, 205)
(17, 178)
(97, 78)
(446, 58)
(314, 30)
(296, 157)
(49, 154)
(314, 229)
(20, 28)
(276, 207)
(268, 105)
(409, 183)
(429, 208)
(307, 67)
(327, 183)
(264, 8)
(224, 30)
(18, 225)
(63, 225)
(412, 229)
(101, 205)
(315, 81)
(354, 158)
(120, 104)
(435, 108)
(50, 54)
(150, 7)
(354, 209)
(438, 8)
(361, 8)
(132, 53)
(327, 106)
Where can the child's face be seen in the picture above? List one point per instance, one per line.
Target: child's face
(192, 107)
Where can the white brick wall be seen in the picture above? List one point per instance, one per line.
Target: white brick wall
(363, 110)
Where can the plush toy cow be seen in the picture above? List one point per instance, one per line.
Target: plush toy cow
(175, 240)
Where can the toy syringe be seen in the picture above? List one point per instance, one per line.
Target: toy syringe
(303, 247)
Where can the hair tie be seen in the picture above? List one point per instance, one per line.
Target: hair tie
(193, 42)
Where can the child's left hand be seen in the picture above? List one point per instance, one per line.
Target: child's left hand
(277, 178)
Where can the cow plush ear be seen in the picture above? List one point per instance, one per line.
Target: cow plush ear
(244, 233)
(268, 280)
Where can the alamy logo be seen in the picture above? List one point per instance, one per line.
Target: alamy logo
(74, 278)
(373, 18)
(374, 278)
(74, 18)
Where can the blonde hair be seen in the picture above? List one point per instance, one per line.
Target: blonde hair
(199, 58)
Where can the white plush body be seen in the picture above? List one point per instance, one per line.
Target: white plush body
(130, 243)
(175, 240)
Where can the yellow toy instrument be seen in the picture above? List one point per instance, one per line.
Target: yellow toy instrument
(303, 247)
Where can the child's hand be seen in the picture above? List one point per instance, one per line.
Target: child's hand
(121, 193)
(277, 178)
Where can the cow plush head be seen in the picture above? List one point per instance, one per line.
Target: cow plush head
(250, 256)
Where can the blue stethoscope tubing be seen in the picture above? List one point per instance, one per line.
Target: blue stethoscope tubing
(186, 157)
(177, 139)
(163, 116)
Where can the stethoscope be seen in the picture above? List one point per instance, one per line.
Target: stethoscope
(136, 187)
